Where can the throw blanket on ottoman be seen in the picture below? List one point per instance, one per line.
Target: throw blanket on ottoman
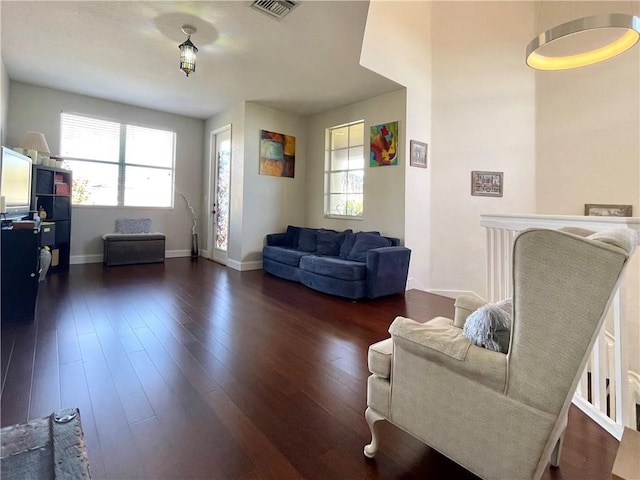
(47, 448)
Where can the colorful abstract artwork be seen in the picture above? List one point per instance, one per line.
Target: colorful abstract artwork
(384, 145)
(277, 154)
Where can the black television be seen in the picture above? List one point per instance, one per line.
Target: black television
(15, 184)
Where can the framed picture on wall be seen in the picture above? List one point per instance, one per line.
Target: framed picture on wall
(599, 210)
(418, 157)
(486, 184)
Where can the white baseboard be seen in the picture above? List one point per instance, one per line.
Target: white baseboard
(413, 284)
(244, 266)
(97, 258)
(177, 253)
(80, 259)
(452, 293)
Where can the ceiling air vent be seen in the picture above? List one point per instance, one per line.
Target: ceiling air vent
(275, 8)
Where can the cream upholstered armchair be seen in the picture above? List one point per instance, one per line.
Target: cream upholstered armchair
(501, 415)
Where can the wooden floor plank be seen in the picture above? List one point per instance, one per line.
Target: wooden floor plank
(74, 392)
(16, 396)
(132, 396)
(190, 370)
(116, 442)
(7, 343)
(45, 391)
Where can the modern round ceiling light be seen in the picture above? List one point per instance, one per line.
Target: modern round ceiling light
(584, 41)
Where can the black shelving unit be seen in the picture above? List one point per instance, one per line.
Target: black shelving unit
(51, 190)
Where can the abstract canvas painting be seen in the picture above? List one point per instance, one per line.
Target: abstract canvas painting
(383, 144)
(277, 154)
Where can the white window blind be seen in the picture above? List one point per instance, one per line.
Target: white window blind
(118, 164)
(89, 138)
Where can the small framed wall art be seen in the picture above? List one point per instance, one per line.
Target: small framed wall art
(418, 156)
(599, 210)
(486, 184)
(383, 144)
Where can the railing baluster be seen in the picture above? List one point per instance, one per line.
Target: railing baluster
(607, 362)
(598, 380)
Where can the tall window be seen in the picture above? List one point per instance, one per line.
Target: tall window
(344, 171)
(118, 164)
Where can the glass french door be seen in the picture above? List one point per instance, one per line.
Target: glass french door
(221, 196)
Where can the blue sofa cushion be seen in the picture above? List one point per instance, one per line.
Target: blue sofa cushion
(333, 267)
(329, 242)
(285, 255)
(292, 236)
(347, 243)
(308, 240)
(364, 242)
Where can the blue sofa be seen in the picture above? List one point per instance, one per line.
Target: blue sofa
(347, 264)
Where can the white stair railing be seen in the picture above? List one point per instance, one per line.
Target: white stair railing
(603, 391)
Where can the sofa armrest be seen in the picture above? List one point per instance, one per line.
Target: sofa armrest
(465, 305)
(387, 270)
(276, 239)
(443, 345)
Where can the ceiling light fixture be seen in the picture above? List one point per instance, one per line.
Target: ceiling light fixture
(626, 29)
(188, 51)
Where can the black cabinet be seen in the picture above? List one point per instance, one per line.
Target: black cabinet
(51, 192)
(19, 255)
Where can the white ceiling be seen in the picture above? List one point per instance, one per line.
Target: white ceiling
(307, 62)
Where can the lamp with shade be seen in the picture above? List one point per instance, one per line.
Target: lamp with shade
(35, 146)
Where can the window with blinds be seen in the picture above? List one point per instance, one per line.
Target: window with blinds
(344, 171)
(118, 164)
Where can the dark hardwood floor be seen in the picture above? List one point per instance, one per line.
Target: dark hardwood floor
(191, 370)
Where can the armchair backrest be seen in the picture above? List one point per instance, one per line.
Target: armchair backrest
(562, 287)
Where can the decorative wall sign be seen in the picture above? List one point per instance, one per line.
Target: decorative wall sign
(596, 210)
(277, 154)
(418, 154)
(488, 184)
(383, 145)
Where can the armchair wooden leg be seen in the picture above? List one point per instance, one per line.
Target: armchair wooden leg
(372, 417)
(557, 451)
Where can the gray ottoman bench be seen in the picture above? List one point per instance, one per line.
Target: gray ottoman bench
(133, 243)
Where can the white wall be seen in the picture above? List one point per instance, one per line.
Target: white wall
(562, 139)
(588, 131)
(271, 203)
(396, 44)
(484, 111)
(4, 95)
(260, 204)
(38, 108)
(471, 98)
(588, 140)
(4, 101)
(384, 202)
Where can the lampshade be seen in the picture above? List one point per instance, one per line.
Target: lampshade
(626, 30)
(35, 141)
(188, 51)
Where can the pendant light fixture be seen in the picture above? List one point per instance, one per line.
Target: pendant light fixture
(188, 51)
(626, 30)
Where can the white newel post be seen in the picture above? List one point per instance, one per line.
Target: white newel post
(603, 392)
